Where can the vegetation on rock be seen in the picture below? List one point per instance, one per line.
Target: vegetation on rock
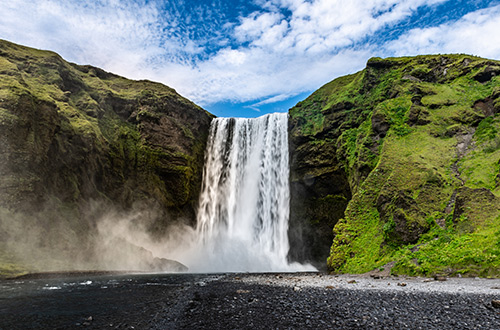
(75, 136)
(410, 147)
(401, 159)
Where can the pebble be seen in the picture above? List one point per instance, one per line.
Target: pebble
(440, 278)
(265, 301)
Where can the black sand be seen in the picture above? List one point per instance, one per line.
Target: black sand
(246, 301)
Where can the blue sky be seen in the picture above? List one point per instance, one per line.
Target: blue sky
(247, 58)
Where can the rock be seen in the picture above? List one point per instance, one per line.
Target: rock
(380, 124)
(78, 142)
(240, 291)
(400, 212)
(411, 78)
(346, 140)
(121, 254)
(487, 73)
(495, 303)
(472, 201)
(440, 278)
(380, 63)
(168, 265)
(486, 106)
(418, 115)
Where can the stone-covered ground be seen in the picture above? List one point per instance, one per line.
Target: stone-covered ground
(244, 301)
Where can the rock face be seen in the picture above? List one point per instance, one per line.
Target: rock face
(402, 161)
(76, 140)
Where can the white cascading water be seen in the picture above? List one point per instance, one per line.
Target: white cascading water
(244, 203)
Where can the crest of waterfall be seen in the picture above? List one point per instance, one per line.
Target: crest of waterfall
(242, 221)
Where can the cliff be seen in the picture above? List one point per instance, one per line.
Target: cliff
(77, 141)
(402, 160)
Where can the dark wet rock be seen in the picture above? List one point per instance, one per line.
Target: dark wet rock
(418, 115)
(486, 106)
(487, 73)
(380, 124)
(440, 278)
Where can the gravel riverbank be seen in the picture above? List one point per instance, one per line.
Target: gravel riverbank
(248, 301)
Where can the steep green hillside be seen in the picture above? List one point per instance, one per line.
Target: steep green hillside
(404, 159)
(76, 141)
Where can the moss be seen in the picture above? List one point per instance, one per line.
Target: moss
(469, 254)
(480, 166)
(400, 132)
(79, 134)
(397, 111)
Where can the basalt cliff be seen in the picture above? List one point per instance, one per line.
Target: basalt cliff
(402, 160)
(76, 142)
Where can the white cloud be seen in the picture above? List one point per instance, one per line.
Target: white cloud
(288, 54)
(286, 48)
(329, 24)
(476, 33)
(256, 25)
(271, 100)
(106, 33)
(230, 57)
(262, 75)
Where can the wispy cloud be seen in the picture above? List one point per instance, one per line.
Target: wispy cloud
(103, 33)
(476, 33)
(289, 47)
(276, 50)
(274, 99)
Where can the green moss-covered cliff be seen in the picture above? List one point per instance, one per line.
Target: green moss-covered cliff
(76, 140)
(402, 160)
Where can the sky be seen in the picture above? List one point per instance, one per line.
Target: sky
(246, 58)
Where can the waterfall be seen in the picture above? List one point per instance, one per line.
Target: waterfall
(242, 220)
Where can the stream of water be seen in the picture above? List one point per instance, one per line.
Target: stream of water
(242, 222)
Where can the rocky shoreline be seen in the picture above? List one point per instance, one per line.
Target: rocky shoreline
(244, 301)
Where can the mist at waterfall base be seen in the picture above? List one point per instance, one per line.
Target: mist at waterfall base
(242, 220)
